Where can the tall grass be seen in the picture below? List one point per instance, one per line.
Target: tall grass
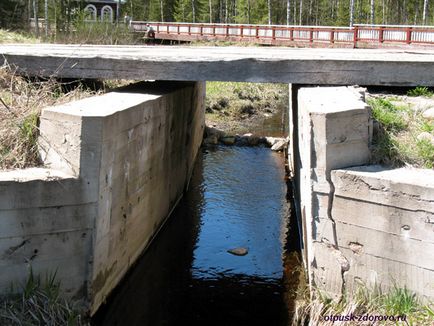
(98, 32)
(21, 101)
(396, 141)
(39, 303)
(364, 301)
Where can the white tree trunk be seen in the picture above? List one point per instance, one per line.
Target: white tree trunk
(35, 16)
(248, 11)
(269, 12)
(193, 10)
(301, 13)
(162, 10)
(288, 12)
(425, 8)
(372, 12)
(210, 11)
(352, 13)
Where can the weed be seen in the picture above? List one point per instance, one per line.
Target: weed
(390, 116)
(425, 151)
(420, 91)
(21, 101)
(400, 301)
(373, 301)
(39, 303)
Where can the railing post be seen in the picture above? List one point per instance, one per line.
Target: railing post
(167, 28)
(189, 29)
(291, 34)
(332, 36)
(227, 31)
(213, 31)
(201, 30)
(178, 29)
(273, 33)
(356, 35)
(409, 32)
(311, 35)
(241, 31)
(158, 28)
(257, 32)
(381, 34)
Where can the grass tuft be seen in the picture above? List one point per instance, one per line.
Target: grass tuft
(397, 140)
(21, 101)
(364, 301)
(420, 91)
(39, 303)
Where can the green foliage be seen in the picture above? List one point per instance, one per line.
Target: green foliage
(400, 301)
(16, 37)
(420, 91)
(13, 14)
(389, 115)
(425, 150)
(373, 301)
(397, 140)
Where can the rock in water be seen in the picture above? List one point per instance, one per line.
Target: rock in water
(228, 140)
(279, 146)
(238, 251)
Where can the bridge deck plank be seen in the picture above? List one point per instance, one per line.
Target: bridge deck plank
(254, 64)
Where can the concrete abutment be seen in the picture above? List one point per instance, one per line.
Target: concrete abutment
(362, 224)
(114, 167)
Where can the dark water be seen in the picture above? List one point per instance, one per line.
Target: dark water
(237, 198)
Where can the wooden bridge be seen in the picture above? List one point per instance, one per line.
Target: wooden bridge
(359, 36)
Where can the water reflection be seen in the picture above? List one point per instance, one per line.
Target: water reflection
(187, 277)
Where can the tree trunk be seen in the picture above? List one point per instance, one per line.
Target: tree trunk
(193, 10)
(301, 12)
(210, 11)
(288, 12)
(425, 7)
(248, 11)
(35, 16)
(46, 18)
(162, 10)
(372, 12)
(351, 13)
(269, 12)
(226, 11)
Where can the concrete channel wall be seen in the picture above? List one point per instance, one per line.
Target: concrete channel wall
(362, 224)
(114, 167)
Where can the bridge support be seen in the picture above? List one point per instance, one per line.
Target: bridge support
(361, 223)
(115, 167)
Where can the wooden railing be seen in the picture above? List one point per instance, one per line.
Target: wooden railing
(356, 36)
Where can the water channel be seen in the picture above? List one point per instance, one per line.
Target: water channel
(238, 197)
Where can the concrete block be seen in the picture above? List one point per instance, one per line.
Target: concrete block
(406, 188)
(417, 225)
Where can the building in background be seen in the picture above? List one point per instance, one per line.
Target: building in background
(103, 10)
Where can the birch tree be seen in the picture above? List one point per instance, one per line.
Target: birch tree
(425, 7)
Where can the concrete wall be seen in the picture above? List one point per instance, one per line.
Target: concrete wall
(355, 221)
(115, 166)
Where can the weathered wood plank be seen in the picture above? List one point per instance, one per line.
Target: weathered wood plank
(288, 65)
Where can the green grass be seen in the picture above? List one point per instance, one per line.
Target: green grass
(391, 117)
(373, 301)
(420, 91)
(396, 142)
(15, 37)
(39, 303)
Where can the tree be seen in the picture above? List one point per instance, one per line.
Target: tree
(425, 7)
